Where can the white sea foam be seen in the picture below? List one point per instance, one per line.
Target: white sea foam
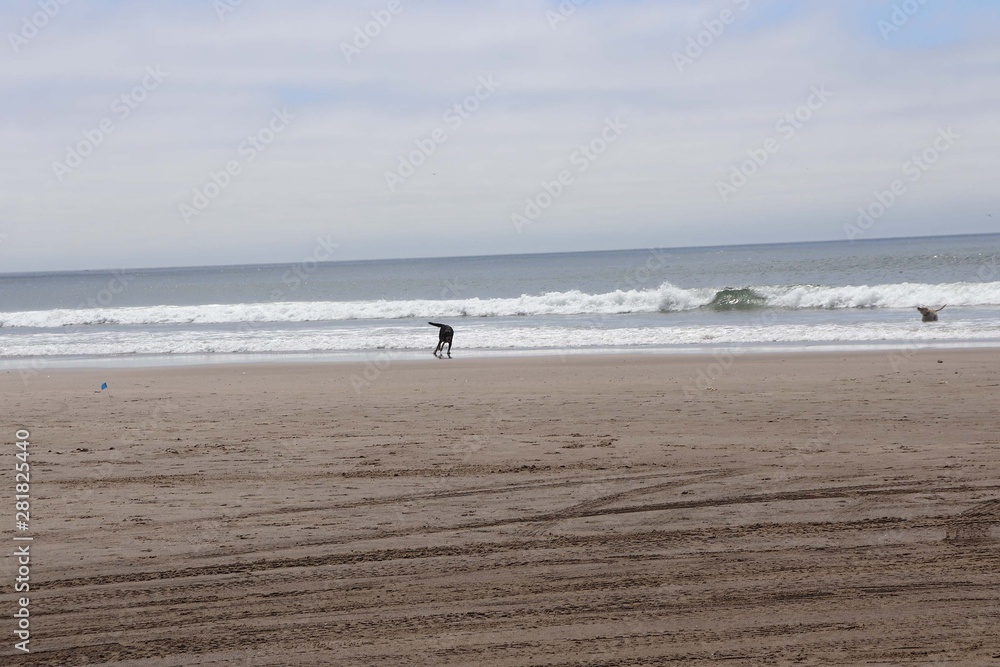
(665, 298)
(270, 339)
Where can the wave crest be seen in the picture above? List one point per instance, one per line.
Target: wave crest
(666, 298)
(737, 299)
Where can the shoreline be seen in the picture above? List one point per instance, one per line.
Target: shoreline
(369, 356)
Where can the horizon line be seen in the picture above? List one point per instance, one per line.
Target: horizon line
(480, 256)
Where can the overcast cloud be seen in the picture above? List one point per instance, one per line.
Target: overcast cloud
(248, 130)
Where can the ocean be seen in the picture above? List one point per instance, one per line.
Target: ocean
(838, 294)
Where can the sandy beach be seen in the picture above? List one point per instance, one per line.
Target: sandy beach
(771, 509)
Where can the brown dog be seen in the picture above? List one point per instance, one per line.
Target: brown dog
(929, 314)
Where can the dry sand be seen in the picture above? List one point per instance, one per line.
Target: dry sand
(834, 509)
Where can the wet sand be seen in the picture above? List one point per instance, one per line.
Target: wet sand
(784, 509)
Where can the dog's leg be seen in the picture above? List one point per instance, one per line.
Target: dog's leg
(449, 349)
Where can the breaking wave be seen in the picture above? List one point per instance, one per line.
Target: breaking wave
(666, 298)
(737, 299)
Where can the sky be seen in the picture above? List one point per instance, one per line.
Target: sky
(187, 133)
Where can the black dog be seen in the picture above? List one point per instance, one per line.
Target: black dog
(445, 335)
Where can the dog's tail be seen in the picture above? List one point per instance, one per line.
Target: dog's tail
(940, 309)
(435, 324)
